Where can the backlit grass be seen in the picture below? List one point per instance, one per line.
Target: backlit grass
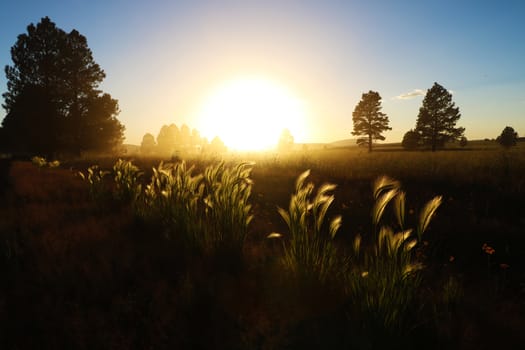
(176, 255)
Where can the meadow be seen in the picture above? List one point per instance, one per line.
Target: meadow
(328, 248)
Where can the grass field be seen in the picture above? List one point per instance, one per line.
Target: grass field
(180, 258)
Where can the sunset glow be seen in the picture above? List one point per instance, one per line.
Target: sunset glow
(250, 114)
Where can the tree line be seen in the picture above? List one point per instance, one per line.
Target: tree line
(435, 124)
(172, 140)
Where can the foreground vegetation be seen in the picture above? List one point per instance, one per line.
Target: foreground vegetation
(252, 252)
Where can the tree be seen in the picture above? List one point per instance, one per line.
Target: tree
(508, 137)
(217, 146)
(166, 139)
(369, 120)
(148, 144)
(52, 101)
(196, 141)
(436, 122)
(185, 135)
(32, 123)
(410, 140)
(286, 141)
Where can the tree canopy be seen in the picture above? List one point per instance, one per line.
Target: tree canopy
(368, 119)
(436, 122)
(147, 146)
(508, 137)
(52, 102)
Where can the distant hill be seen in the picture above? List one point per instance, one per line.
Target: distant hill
(343, 143)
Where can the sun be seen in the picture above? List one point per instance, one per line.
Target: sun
(250, 114)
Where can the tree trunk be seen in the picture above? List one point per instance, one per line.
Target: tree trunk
(369, 143)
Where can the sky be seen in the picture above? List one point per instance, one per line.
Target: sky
(162, 59)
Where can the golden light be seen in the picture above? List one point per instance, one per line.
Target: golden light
(251, 113)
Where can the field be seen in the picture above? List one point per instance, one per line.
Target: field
(120, 261)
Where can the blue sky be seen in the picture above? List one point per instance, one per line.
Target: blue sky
(162, 57)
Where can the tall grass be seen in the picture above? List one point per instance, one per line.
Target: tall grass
(383, 282)
(206, 212)
(227, 206)
(94, 176)
(382, 275)
(172, 198)
(210, 213)
(127, 180)
(310, 253)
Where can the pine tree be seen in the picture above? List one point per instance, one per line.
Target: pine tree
(368, 119)
(52, 101)
(436, 122)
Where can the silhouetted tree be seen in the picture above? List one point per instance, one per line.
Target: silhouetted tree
(148, 144)
(410, 140)
(286, 141)
(369, 120)
(463, 141)
(185, 135)
(196, 141)
(52, 99)
(217, 146)
(32, 123)
(3, 140)
(508, 137)
(166, 139)
(437, 118)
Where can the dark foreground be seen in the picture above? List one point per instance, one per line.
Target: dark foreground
(78, 275)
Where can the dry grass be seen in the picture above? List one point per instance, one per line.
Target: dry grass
(76, 276)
